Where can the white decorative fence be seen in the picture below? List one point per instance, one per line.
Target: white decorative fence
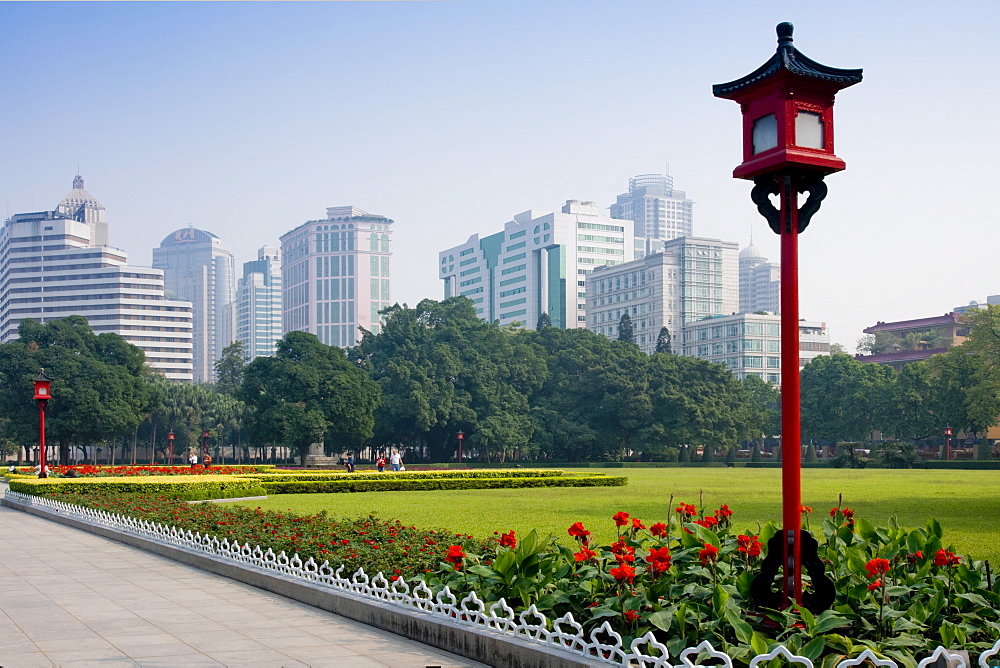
(603, 644)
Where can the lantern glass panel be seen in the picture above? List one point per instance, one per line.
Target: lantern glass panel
(765, 134)
(809, 129)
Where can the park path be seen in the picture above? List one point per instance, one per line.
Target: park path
(72, 598)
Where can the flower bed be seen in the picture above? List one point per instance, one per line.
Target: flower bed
(385, 483)
(91, 471)
(682, 582)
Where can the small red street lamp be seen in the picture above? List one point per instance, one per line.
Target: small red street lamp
(170, 447)
(461, 437)
(204, 442)
(787, 106)
(947, 443)
(43, 387)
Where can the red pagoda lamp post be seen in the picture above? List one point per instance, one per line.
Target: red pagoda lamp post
(947, 443)
(170, 448)
(461, 437)
(43, 387)
(204, 442)
(787, 106)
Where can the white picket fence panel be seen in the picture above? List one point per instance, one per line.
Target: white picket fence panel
(603, 644)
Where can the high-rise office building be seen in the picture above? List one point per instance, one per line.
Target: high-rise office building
(691, 279)
(258, 304)
(55, 264)
(657, 210)
(760, 282)
(198, 267)
(749, 344)
(335, 275)
(536, 265)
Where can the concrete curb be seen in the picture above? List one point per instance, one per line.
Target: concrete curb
(479, 644)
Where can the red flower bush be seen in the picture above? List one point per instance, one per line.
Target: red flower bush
(621, 519)
(659, 560)
(623, 574)
(687, 510)
(749, 545)
(659, 530)
(946, 558)
(578, 531)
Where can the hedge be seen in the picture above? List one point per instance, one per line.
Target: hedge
(372, 475)
(186, 487)
(397, 483)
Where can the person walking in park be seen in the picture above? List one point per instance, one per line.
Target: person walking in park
(193, 460)
(207, 460)
(396, 460)
(380, 463)
(349, 463)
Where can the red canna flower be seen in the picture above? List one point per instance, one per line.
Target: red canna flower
(577, 531)
(724, 511)
(916, 556)
(875, 585)
(636, 524)
(659, 560)
(631, 616)
(623, 574)
(621, 518)
(946, 558)
(708, 554)
(455, 556)
(749, 545)
(806, 510)
(508, 540)
(876, 567)
(708, 522)
(659, 529)
(585, 554)
(687, 510)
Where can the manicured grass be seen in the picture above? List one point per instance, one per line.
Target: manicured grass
(966, 503)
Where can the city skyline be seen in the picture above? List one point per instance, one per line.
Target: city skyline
(450, 118)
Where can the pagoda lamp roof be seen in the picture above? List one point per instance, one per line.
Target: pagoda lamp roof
(788, 59)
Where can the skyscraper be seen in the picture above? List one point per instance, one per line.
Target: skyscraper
(760, 282)
(258, 304)
(658, 211)
(199, 268)
(335, 275)
(536, 265)
(54, 264)
(691, 279)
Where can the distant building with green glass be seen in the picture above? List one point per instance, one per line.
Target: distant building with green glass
(537, 264)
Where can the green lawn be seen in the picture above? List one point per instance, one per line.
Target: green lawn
(966, 503)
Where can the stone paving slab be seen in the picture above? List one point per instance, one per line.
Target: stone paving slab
(71, 598)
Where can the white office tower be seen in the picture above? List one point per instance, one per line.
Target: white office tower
(335, 275)
(536, 265)
(258, 304)
(658, 211)
(51, 267)
(199, 268)
(760, 282)
(691, 279)
(749, 344)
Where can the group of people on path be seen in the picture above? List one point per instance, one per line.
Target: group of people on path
(395, 461)
(206, 460)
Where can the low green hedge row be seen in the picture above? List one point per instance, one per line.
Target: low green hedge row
(405, 475)
(398, 483)
(228, 487)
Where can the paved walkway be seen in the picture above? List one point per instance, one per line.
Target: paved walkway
(71, 598)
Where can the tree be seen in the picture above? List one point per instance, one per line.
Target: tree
(877, 343)
(100, 384)
(837, 349)
(441, 369)
(308, 392)
(229, 368)
(626, 332)
(761, 410)
(543, 321)
(843, 399)
(663, 341)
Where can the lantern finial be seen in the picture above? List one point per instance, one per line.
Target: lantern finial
(784, 31)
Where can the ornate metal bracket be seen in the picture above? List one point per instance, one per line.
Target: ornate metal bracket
(766, 186)
(823, 592)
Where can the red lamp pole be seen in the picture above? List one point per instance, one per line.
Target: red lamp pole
(947, 443)
(461, 436)
(204, 442)
(787, 106)
(43, 385)
(170, 448)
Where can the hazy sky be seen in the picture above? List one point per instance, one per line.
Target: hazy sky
(248, 119)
